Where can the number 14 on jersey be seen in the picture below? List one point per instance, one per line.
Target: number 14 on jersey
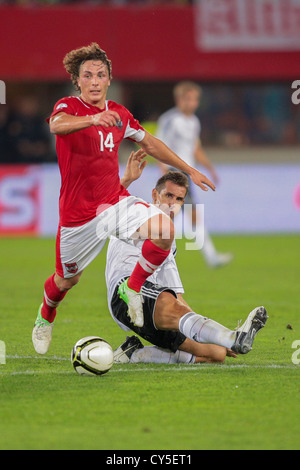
(108, 143)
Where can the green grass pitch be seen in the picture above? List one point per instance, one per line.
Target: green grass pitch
(252, 402)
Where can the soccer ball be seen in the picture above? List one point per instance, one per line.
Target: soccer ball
(92, 355)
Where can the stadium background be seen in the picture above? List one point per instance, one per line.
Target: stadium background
(244, 54)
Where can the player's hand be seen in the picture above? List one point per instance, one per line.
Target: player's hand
(134, 168)
(230, 353)
(201, 180)
(106, 119)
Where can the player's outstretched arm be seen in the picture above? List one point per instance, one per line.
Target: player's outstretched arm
(134, 168)
(63, 123)
(157, 149)
(201, 157)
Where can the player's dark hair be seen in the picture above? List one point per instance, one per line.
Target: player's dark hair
(176, 177)
(74, 59)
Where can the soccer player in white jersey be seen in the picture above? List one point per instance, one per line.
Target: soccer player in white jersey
(176, 331)
(93, 202)
(180, 129)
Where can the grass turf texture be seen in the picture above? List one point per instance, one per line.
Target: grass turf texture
(251, 402)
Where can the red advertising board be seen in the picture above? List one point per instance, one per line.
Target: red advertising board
(245, 25)
(224, 40)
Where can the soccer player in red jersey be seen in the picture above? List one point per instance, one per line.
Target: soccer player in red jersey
(94, 203)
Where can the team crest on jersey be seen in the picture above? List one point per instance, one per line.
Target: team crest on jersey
(120, 124)
(62, 105)
(72, 268)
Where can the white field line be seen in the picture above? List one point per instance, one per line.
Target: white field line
(49, 358)
(173, 368)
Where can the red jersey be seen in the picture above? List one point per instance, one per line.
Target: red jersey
(88, 161)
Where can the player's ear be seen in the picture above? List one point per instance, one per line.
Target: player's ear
(155, 196)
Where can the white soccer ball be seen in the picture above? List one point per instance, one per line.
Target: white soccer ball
(92, 355)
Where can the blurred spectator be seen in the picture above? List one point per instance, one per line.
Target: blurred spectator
(28, 134)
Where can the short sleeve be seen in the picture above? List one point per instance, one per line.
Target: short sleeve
(64, 105)
(134, 131)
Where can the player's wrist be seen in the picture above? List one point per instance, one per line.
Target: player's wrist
(126, 182)
(92, 119)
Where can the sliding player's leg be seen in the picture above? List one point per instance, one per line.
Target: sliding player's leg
(189, 352)
(172, 314)
(169, 346)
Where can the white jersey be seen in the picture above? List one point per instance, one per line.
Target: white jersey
(180, 133)
(121, 259)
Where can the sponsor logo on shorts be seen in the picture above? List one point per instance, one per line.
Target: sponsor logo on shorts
(72, 268)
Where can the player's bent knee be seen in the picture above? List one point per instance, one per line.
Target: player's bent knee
(168, 311)
(165, 228)
(66, 284)
(168, 229)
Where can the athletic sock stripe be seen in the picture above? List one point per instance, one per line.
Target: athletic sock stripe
(146, 265)
(49, 302)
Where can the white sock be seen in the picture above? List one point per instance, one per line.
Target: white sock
(204, 330)
(161, 356)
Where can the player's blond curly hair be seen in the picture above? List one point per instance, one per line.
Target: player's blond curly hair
(184, 87)
(74, 59)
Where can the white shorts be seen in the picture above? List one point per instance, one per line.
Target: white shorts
(77, 247)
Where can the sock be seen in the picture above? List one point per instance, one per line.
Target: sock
(204, 330)
(150, 259)
(158, 355)
(52, 298)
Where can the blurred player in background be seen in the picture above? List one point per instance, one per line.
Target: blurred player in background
(180, 128)
(93, 202)
(178, 333)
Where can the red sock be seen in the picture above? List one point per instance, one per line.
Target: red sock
(52, 298)
(150, 259)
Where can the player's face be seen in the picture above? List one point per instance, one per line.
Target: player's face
(94, 82)
(188, 103)
(170, 199)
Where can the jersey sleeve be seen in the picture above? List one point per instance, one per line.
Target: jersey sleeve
(64, 105)
(134, 131)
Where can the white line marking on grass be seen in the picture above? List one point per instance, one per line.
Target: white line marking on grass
(170, 368)
(53, 358)
(35, 372)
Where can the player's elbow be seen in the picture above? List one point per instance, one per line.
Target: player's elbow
(57, 125)
(57, 129)
(54, 127)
